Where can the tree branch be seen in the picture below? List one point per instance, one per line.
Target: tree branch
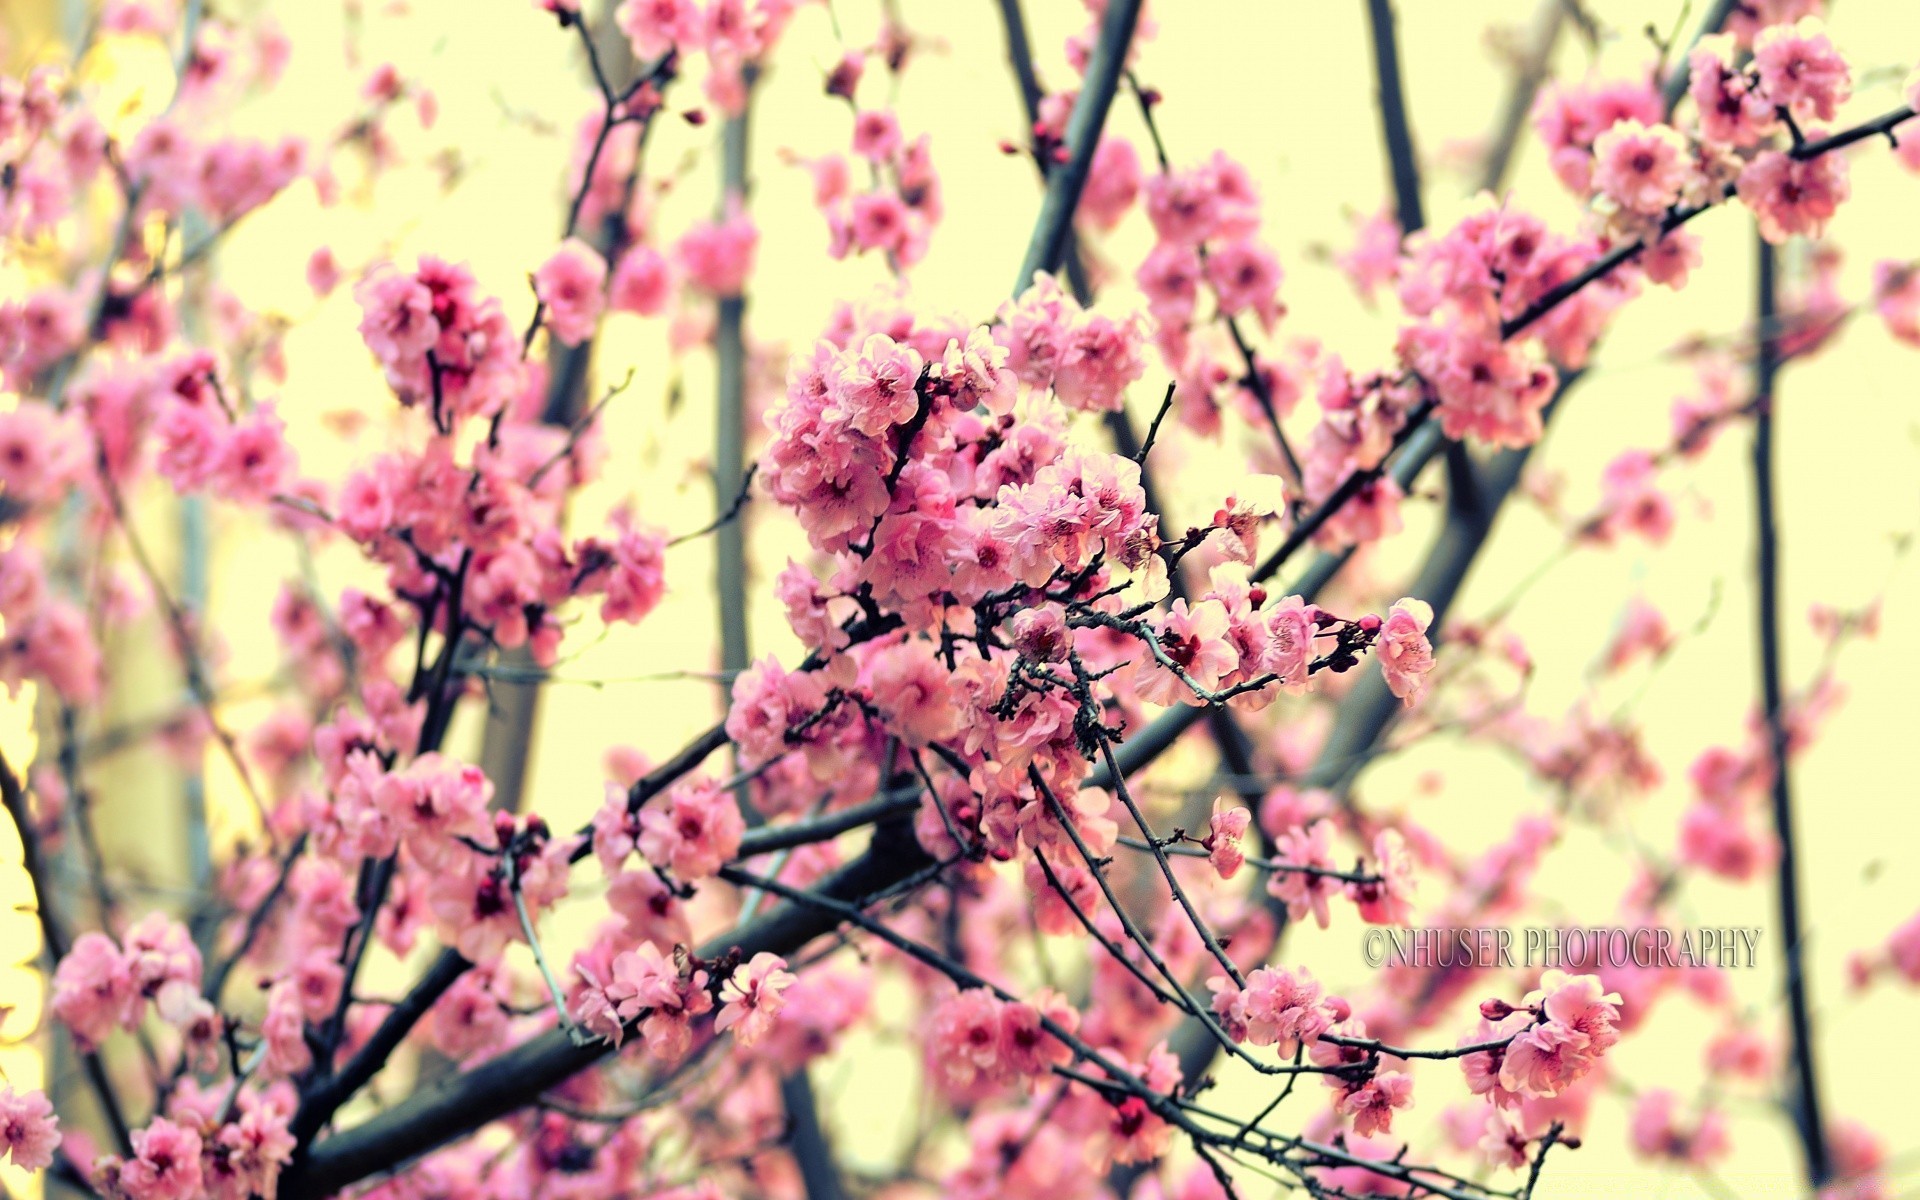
(1804, 1102)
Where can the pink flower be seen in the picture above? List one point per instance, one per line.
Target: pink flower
(1245, 276)
(1903, 949)
(1280, 1008)
(1633, 498)
(768, 703)
(1570, 119)
(1113, 183)
(876, 388)
(1194, 639)
(1544, 1061)
(94, 989)
(698, 830)
(166, 1163)
(1075, 505)
(39, 452)
(254, 461)
(1896, 297)
(1577, 1002)
(656, 26)
(397, 320)
(1482, 1068)
(1374, 260)
(323, 273)
(1371, 1105)
(964, 1041)
(29, 1132)
(1306, 891)
(718, 257)
(250, 1152)
(876, 135)
(1639, 168)
(1027, 1048)
(1732, 111)
(645, 985)
(752, 997)
(1800, 69)
(1224, 831)
(642, 282)
(1669, 260)
(1725, 843)
(1406, 656)
(571, 284)
(1388, 902)
(1790, 197)
(1657, 1129)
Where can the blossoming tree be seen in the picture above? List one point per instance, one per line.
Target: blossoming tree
(942, 819)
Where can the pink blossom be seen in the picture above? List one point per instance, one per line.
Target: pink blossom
(94, 989)
(964, 1039)
(1374, 260)
(1194, 640)
(1800, 69)
(1732, 111)
(718, 256)
(876, 388)
(1306, 891)
(1280, 1008)
(1406, 656)
(1896, 297)
(1790, 197)
(29, 1132)
(1113, 183)
(642, 282)
(656, 26)
(1389, 901)
(1639, 168)
(876, 135)
(752, 997)
(249, 1153)
(166, 1163)
(1372, 1104)
(1245, 276)
(1027, 1048)
(1657, 1130)
(768, 703)
(1544, 1060)
(323, 273)
(1634, 500)
(1571, 117)
(254, 461)
(1224, 831)
(571, 283)
(1671, 259)
(697, 830)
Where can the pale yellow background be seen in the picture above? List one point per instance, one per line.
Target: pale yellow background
(1285, 88)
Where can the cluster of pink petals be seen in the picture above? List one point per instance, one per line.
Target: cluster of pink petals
(752, 997)
(1276, 1007)
(975, 1035)
(29, 1132)
(1552, 1040)
(661, 992)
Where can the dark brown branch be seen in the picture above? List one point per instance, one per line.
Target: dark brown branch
(1882, 124)
(1402, 160)
(1804, 1101)
(465, 1102)
(1083, 137)
(13, 797)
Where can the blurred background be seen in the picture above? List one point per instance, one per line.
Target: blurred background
(1287, 90)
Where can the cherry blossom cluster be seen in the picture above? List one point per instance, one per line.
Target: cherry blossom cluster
(999, 633)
